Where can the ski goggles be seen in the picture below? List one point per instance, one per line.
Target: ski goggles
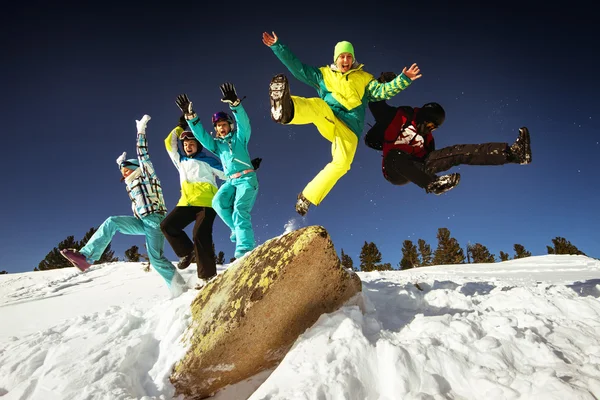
(186, 135)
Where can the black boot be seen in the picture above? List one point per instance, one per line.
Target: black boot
(443, 184)
(185, 262)
(282, 106)
(520, 151)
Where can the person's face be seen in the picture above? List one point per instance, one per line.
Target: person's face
(126, 172)
(344, 62)
(431, 126)
(222, 128)
(425, 128)
(190, 147)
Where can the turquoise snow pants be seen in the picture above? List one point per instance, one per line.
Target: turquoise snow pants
(148, 225)
(233, 203)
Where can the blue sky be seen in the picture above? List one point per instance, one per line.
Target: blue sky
(75, 80)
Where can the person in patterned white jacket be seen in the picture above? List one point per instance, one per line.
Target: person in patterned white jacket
(197, 175)
(148, 205)
(405, 135)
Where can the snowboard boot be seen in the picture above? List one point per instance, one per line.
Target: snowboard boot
(520, 151)
(185, 262)
(443, 184)
(302, 205)
(76, 258)
(282, 107)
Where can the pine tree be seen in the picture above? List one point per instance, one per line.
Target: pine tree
(410, 258)
(107, 256)
(54, 259)
(425, 252)
(448, 250)
(481, 254)
(347, 261)
(563, 246)
(384, 267)
(232, 259)
(503, 256)
(370, 256)
(221, 258)
(3, 272)
(132, 254)
(520, 251)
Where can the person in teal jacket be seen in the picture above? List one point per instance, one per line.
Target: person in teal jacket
(236, 196)
(344, 90)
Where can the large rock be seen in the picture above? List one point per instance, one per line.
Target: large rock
(247, 319)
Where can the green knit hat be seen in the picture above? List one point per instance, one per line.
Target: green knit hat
(343, 47)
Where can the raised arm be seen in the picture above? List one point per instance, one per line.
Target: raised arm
(304, 73)
(242, 122)
(142, 145)
(185, 105)
(378, 91)
(171, 145)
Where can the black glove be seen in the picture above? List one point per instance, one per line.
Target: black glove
(182, 122)
(387, 77)
(256, 163)
(185, 105)
(229, 94)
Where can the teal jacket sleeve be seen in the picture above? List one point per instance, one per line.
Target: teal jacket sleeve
(203, 137)
(242, 122)
(378, 91)
(305, 73)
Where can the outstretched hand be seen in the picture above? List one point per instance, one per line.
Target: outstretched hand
(185, 105)
(141, 124)
(268, 39)
(121, 158)
(229, 94)
(413, 72)
(182, 122)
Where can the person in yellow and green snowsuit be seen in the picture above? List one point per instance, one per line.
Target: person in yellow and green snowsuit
(344, 90)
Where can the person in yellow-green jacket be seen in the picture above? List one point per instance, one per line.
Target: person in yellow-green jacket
(197, 175)
(344, 90)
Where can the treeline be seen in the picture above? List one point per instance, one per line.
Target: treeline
(448, 251)
(54, 260)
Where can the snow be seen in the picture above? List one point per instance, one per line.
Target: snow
(520, 329)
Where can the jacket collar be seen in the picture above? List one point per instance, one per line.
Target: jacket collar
(355, 67)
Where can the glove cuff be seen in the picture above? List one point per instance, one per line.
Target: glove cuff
(191, 116)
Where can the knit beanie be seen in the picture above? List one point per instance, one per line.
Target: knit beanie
(132, 164)
(343, 47)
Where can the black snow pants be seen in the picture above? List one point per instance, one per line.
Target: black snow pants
(400, 168)
(173, 225)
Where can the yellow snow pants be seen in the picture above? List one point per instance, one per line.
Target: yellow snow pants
(343, 144)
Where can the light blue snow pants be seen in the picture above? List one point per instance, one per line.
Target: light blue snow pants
(233, 203)
(148, 225)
